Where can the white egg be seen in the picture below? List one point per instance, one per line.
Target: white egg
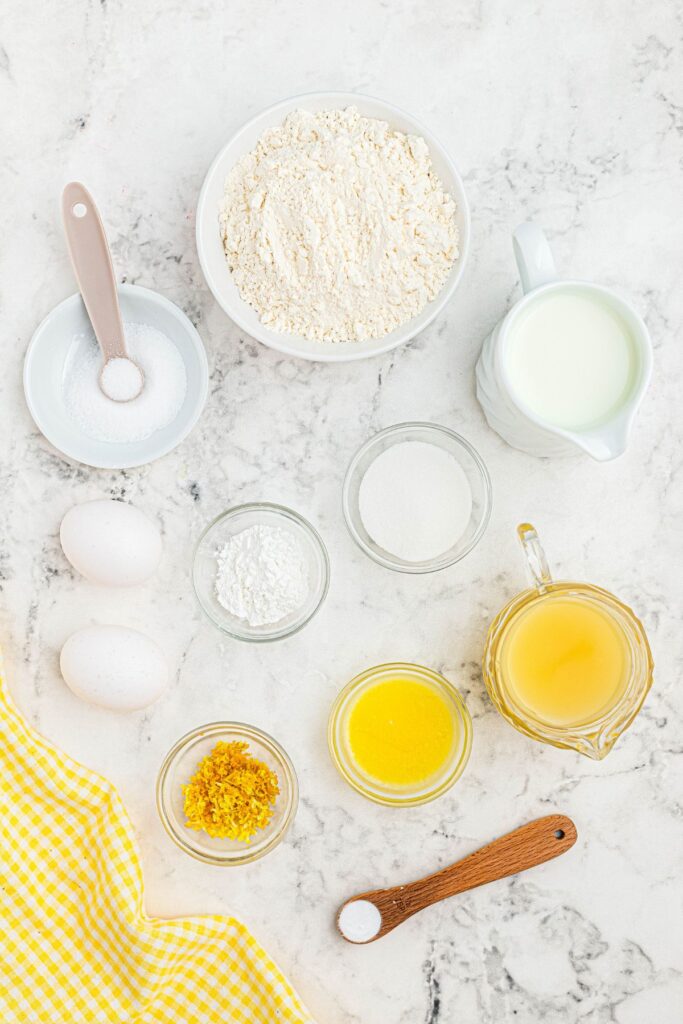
(111, 543)
(115, 667)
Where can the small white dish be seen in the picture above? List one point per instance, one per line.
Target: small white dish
(210, 245)
(44, 368)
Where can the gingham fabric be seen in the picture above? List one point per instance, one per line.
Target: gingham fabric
(75, 943)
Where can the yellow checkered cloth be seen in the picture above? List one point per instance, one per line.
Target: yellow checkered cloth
(76, 945)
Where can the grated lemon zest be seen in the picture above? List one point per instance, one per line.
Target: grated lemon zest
(232, 794)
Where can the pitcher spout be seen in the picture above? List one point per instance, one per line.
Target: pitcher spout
(609, 442)
(596, 747)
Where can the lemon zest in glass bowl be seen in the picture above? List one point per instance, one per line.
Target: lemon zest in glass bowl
(232, 794)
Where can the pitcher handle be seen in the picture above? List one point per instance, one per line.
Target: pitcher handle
(534, 258)
(537, 563)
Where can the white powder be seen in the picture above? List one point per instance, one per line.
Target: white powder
(359, 920)
(121, 380)
(156, 406)
(415, 501)
(336, 227)
(262, 575)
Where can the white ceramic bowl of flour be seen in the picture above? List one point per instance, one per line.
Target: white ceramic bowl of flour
(48, 357)
(210, 245)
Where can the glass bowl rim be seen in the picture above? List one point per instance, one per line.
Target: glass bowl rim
(212, 729)
(434, 564)
(365, 678)
(318, 543)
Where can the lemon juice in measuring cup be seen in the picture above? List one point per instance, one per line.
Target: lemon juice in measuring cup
(566, 663)
(567, 367)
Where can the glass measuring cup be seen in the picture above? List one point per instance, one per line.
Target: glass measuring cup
(566, 663)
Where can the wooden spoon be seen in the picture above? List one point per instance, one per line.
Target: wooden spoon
(373, 914)
(91, 261)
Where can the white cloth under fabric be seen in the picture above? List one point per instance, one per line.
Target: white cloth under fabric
(336, 227)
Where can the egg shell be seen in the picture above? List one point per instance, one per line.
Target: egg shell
(111, 543)
(114, 667)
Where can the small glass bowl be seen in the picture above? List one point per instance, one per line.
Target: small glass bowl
(182, 762)
(467, 458)
(234, 521)
(395, 796)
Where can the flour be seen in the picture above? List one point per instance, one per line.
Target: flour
(336, 227)
(415, 501)
(262, 575)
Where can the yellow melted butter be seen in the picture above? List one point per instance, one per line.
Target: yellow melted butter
(401, 731)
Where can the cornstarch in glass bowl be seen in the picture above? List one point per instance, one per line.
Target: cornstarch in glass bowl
(262, 575)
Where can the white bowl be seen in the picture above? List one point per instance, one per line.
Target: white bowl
(210, 245)
(44, 368)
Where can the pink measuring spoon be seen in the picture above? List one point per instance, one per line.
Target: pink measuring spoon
(120, 379)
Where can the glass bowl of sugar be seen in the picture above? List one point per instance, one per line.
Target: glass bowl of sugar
(260, 572)
(417, 497)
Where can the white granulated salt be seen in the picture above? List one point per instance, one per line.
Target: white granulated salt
(119, 422)
(415, 501)
(359, 920)
(262, 575)
(336, 227)
(121, 380)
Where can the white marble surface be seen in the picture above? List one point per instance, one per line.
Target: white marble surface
(568, 112)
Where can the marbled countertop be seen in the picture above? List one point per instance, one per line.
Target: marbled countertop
(564, 112)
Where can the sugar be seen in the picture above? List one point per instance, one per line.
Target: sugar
(124, 422)
(415, 501)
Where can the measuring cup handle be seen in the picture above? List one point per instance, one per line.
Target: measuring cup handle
(537, 563)
(534, 258)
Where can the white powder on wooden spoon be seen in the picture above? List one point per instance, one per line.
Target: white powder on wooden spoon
(359, 921)
(415, 501)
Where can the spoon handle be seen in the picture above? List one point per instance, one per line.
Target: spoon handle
(525, 847)
(93, 268)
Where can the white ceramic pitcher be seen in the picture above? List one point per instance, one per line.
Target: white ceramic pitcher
(506, 411)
